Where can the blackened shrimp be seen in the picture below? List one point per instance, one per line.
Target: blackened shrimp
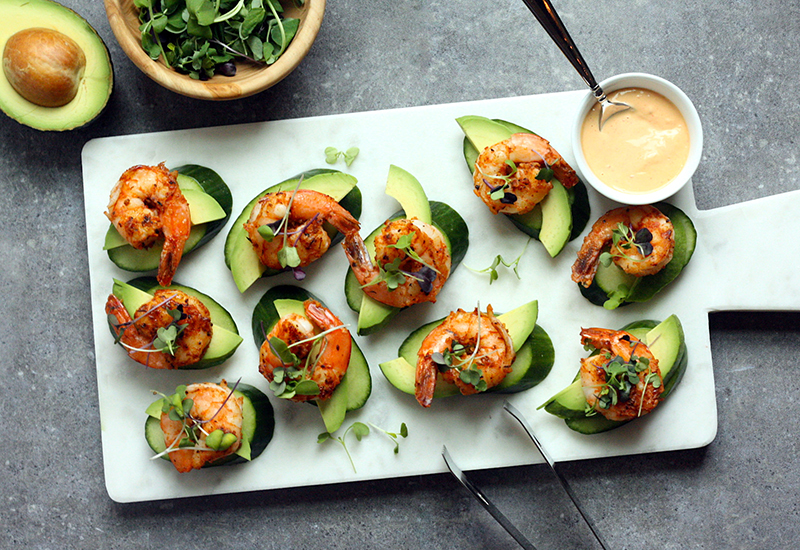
(215, 408)
(412, 263)
(319, 342)
(147, 205)
(301, 229)
(188, 316)
(507, 174)
(472, 350)
(622, 381)
(642, 242)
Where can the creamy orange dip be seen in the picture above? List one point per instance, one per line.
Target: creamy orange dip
(639, 150)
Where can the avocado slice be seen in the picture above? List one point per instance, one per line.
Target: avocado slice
(96, 82)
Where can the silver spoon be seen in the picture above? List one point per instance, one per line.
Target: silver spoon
(551, 22)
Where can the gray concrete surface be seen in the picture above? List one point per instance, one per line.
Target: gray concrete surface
(737, 62)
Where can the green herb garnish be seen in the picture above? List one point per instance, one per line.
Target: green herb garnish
(361, 430)
(623, 238)
(204, 37)
(332, 154)
(492, 269)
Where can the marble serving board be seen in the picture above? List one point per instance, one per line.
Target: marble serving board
(726, 273)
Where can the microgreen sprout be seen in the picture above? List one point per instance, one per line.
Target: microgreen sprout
(178, 408)
(624, 238)
(492, 269)
(332, 154)
(361, 430)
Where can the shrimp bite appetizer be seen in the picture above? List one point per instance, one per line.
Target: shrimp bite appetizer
(518, 173)
(174, 327)
(308, 354)
(291, 225)
(405, 261)
(208, 424)
(628, 374)
(633, 252)
(158, 215)
(472, 352)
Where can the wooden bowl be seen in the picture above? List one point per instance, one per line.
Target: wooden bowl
(249, 79)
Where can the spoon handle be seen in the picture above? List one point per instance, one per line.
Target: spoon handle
(551, 22)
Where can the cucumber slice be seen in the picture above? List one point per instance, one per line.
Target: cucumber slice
(258, 426)
(225, 338)
(612, 287)
(194, 179)
(373, 315)
(535, 355)
(356, 386)
(565, 220)
(667, 343)
(241, 258)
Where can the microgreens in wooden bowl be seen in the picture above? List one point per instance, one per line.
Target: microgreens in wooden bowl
(216, 49)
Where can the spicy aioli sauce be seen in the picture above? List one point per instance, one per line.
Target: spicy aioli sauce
(641, 149)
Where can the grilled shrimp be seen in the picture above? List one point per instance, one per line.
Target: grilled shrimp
(302, 229)
(146, 205)
(513, 166)
(214, 407)
(321, 343)
(642, 242)
(409, 248)
(168, 307)
(472, 350)
(623, 380)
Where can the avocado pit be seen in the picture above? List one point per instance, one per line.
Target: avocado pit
(44, 66)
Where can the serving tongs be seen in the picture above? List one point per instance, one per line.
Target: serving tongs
(551, 22)
(513, 411)
(485, 502)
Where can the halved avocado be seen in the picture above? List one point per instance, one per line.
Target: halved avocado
(96, 82)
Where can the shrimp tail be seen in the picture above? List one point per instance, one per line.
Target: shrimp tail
(585, 266)
(358, 255)
(115, 307)
(176, 232)
(425, 382)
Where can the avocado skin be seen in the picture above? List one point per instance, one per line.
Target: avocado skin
(22, 14)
